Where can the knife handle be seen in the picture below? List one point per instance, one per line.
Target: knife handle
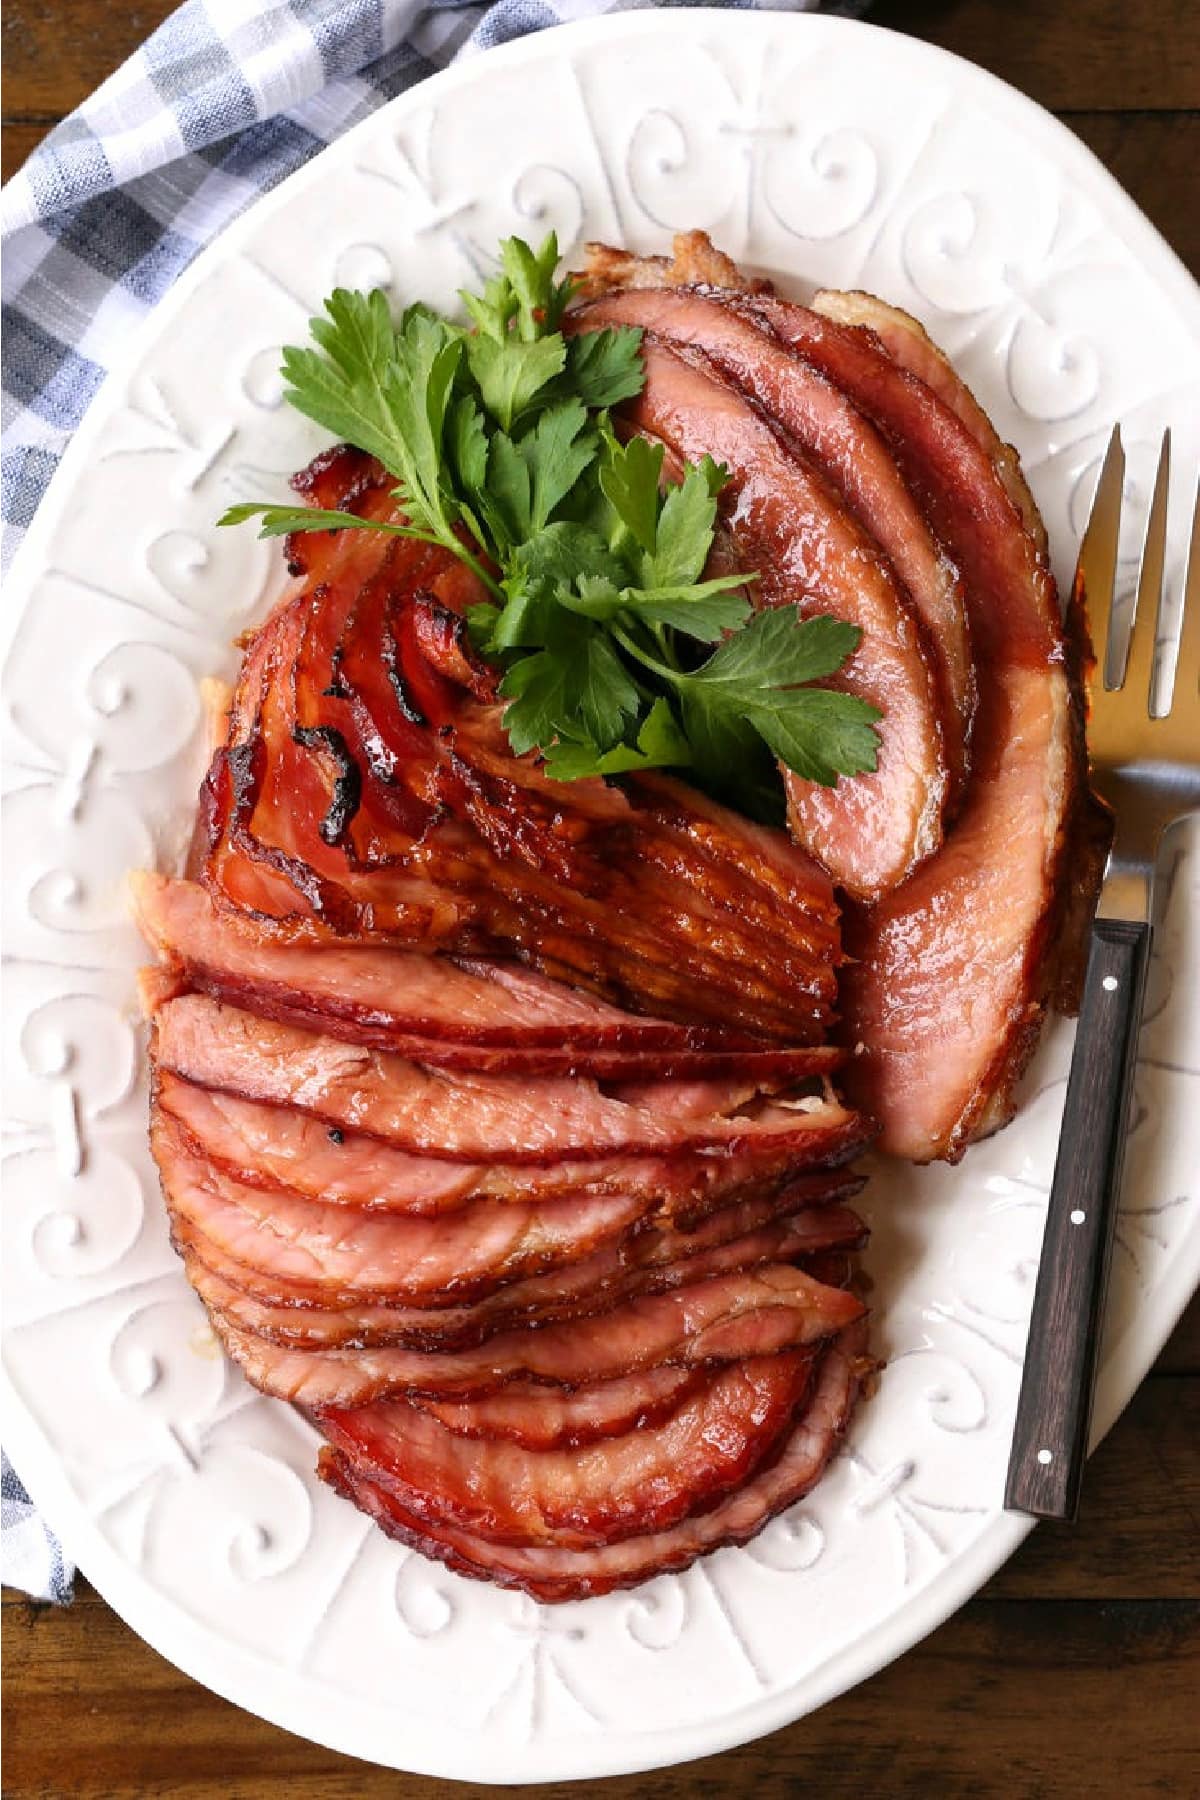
(1050, 1440)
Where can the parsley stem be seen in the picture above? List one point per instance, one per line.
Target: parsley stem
(628, 644)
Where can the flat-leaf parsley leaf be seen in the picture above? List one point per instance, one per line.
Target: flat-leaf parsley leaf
(617, 652)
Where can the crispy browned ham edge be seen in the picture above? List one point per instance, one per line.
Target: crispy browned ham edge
(944, 1032)
(752, 1312)
(558, 1575)
(624, 1486)
(365, 791)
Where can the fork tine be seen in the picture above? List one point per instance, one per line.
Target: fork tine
(1096, 571)
(1139, 668)
(1187, 664)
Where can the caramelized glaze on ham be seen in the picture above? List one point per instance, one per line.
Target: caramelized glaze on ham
(365, 792)
(554, 1574)
(618, 1487)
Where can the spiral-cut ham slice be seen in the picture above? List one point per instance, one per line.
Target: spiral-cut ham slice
(478, 1017)
(298, 1251)
(553, 1574)
(751, 1313)
(946, 1030)
(540, 1418)
(790, 526)
(306, 1316)
(278, 1146)
(472, 1116)
(618, 1487)
(907, 342)
(847, 450)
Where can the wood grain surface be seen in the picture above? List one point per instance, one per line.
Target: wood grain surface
(1077, 1670)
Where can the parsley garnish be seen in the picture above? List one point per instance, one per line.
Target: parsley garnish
(617, 653)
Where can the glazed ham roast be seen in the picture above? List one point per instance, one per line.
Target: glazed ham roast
(499, 1119)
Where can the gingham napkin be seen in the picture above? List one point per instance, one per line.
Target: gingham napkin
(225, 99)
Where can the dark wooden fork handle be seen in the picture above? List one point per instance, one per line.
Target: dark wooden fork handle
(1054, 1412)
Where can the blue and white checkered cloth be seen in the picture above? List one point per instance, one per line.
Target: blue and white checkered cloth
(221, 103)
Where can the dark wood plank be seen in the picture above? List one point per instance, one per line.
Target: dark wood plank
(1003, 1701)
(1138, 1534)
(1181, 1355)
(56, 52)
(1094, 55)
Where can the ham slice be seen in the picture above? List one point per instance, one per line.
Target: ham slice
(467, 1117)
(790, 526)
(434, 1011)
(947, 1030)
(752, 1313)
(297, 1244)
(553, 1574)
(308, 1318)
(619, 1487)
(907, 342)
(541, 1418)
(277, 1146)
(851, 455)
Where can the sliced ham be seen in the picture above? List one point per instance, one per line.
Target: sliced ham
(340, 805)
(907, 342)
(848, 451)
(305, 1318)
(790, 526)
(553, 1574)
(540, 1418)
(947, 1029)
(754, 1313)
(615, 1488)
(435, 1011)
(342, 1253)
(953, 972)
(466, 1116)
(277, 1146)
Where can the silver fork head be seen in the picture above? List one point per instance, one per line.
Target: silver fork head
(1146, 766)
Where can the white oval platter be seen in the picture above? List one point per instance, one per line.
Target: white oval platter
(822, 152)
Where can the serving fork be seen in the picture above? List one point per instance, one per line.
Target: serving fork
(1148, 770)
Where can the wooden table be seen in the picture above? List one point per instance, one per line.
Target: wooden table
(1077, 1670)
